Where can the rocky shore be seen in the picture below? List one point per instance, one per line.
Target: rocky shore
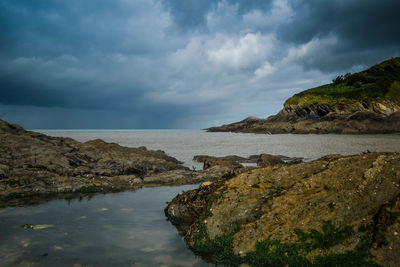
(367, 102)
(359, 122)
(35, 167)
(334, 211)
(235, 162)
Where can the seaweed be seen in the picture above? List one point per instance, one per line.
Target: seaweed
(270, 252)
(217, 250)
(89, 189)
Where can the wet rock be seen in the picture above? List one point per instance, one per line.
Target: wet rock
(221, 162)
(233, 161)
(35, 164)
(265, 160)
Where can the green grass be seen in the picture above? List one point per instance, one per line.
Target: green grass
(380, 82)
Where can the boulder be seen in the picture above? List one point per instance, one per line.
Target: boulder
(334, 211)
(35, 164)
(265, 160)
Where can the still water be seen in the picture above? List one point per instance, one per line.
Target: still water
(130, 229)
(124, 229)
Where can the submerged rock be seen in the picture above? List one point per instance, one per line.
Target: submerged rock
(334, 211)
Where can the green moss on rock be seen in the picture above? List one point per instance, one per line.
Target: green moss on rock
(89, 189)
(275, 253)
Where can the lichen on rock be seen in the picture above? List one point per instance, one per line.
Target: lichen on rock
(342, 209)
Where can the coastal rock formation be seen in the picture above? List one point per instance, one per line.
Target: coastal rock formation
(34, 166)
(265, 160)
(364, 102)
(210, 161)
(235, 162)
(334, 211)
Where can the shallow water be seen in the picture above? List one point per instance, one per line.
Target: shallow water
(130, 229)
(124, 229)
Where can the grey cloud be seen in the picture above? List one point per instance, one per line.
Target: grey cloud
(366, 23)
(366, 31)
(32, 28)
(190, 14)
(178, 63)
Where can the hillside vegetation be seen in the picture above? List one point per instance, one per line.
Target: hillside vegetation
(367, 102)
(380, 82)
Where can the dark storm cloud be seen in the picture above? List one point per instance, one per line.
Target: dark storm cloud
(192, 13)
(58, 53)
(43, 27)
(178, 63)
(367, 31)
(365, 23)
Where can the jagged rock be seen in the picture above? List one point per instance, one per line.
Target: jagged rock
(180, 177)
(233, 161)
(221, 162)
(35, 164)
(346, 206)
(365, 102)
(265, 160)
(35, 167)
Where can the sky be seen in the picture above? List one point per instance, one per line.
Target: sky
(148, 64)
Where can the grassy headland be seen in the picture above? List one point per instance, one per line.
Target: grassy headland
(380, 82)
(363, 102)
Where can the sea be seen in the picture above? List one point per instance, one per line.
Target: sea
(130, 228)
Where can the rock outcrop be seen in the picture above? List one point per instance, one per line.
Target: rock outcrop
(35, 167)
(364, 102)
(334, 211)
(235, 162)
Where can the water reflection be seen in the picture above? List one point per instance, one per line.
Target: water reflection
(125, 229)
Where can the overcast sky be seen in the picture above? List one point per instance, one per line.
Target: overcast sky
(179, 63)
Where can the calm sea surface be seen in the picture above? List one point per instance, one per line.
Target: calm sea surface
(184, 144)
(130, 229)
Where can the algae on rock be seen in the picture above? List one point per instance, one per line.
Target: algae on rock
(335, 211)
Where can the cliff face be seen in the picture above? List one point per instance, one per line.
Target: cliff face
(335, 211)
(364, 102)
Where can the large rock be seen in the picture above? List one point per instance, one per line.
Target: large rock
(210, 161)
(265, 160)
(364, 102)
(35, 164)
(338, 210)
(235, 162)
